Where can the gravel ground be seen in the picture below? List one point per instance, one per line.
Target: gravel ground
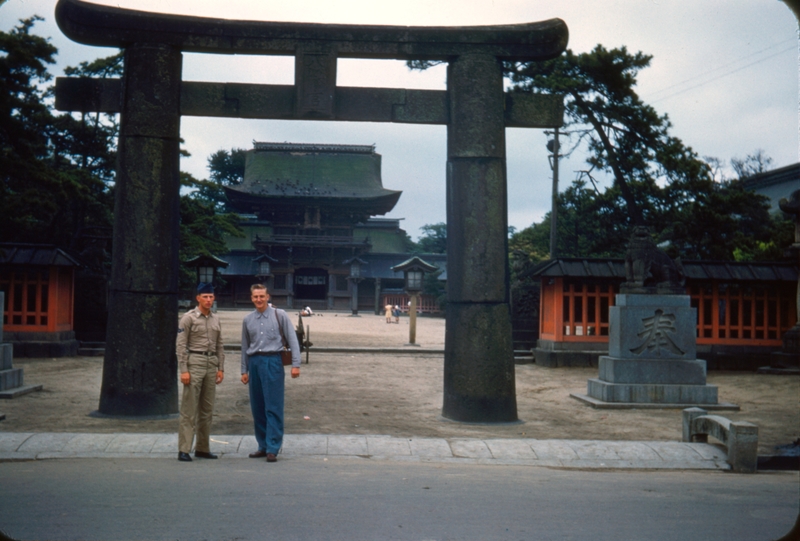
(396, 394)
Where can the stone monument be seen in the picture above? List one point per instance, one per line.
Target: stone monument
(651, 361)
(11, 379)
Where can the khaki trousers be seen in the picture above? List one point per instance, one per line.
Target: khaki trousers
(197, 403)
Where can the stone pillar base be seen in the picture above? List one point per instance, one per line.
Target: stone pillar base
(647, 393)
(603, 405)
(11, 379)
(479, 382)
(653, 371)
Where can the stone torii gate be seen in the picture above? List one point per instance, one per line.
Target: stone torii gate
(140, 368)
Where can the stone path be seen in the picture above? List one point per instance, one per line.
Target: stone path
(570, 454)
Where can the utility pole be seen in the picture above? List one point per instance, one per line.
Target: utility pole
(554, 147)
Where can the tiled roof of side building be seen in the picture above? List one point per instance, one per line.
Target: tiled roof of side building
(35, 254)
(696, 270)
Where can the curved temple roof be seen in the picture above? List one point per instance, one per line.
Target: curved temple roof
(338, 174)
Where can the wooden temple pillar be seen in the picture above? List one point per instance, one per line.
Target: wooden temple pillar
(378, 307)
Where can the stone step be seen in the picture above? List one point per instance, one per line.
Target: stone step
(19, 391)
(523, 356)
(6, 356)
(91, 352)
(92, 349)
(9, 379)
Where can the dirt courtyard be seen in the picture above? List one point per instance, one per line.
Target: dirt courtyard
(396, 394)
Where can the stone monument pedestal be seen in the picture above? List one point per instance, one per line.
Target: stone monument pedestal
(11, 381)
(786, 361)
(651, 361)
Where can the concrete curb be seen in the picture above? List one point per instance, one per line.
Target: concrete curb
(567, 454)
(416, 349)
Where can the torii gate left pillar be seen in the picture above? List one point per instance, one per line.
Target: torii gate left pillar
(139, 372)
(140, 364)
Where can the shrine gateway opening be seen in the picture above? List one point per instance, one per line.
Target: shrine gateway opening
(140, 376)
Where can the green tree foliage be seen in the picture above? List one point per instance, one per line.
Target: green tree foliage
(722, 222)
(625, 137)
(433, 239)
(657, 180)
(226, 169)
(31, 189)
(202, 228)
(85, 149)
(433, 286)
(716, 220)
(583, 216)
(56, 170)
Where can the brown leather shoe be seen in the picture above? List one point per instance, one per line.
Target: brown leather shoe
(258, 454)
(271, 457)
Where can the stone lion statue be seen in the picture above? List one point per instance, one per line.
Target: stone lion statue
(648, 269)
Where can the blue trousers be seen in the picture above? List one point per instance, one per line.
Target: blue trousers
(266, 400)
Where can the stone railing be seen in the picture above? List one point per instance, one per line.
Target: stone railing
(739, 437)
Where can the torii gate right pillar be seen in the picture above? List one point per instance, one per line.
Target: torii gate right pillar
(479, 356)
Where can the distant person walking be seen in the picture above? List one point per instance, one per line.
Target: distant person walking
(201, 360)
(263, 333)
(396, 313)
(388, 312)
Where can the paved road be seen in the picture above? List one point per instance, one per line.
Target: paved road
(130, 486)
(333, 498)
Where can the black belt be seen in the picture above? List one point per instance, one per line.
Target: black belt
(266, 353)
(206, 353)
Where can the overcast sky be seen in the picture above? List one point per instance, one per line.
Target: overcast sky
(725, 71)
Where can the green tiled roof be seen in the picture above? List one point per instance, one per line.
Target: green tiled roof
(302, 172)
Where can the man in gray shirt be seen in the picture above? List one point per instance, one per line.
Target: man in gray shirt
(262, 369)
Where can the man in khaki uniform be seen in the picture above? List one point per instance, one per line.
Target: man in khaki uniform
(201, 362)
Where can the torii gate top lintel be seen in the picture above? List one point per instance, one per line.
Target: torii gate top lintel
(105, 26)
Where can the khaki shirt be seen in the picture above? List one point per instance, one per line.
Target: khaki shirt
(197, 332)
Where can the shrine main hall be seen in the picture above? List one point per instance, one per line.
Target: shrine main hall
(314, 231)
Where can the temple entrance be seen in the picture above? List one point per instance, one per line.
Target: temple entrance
(310, 284)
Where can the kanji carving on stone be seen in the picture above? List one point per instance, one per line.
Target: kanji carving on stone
(656, 334)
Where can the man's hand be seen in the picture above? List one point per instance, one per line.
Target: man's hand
(245, 378)
(220, 375)
(295, 372)
(185, 378)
